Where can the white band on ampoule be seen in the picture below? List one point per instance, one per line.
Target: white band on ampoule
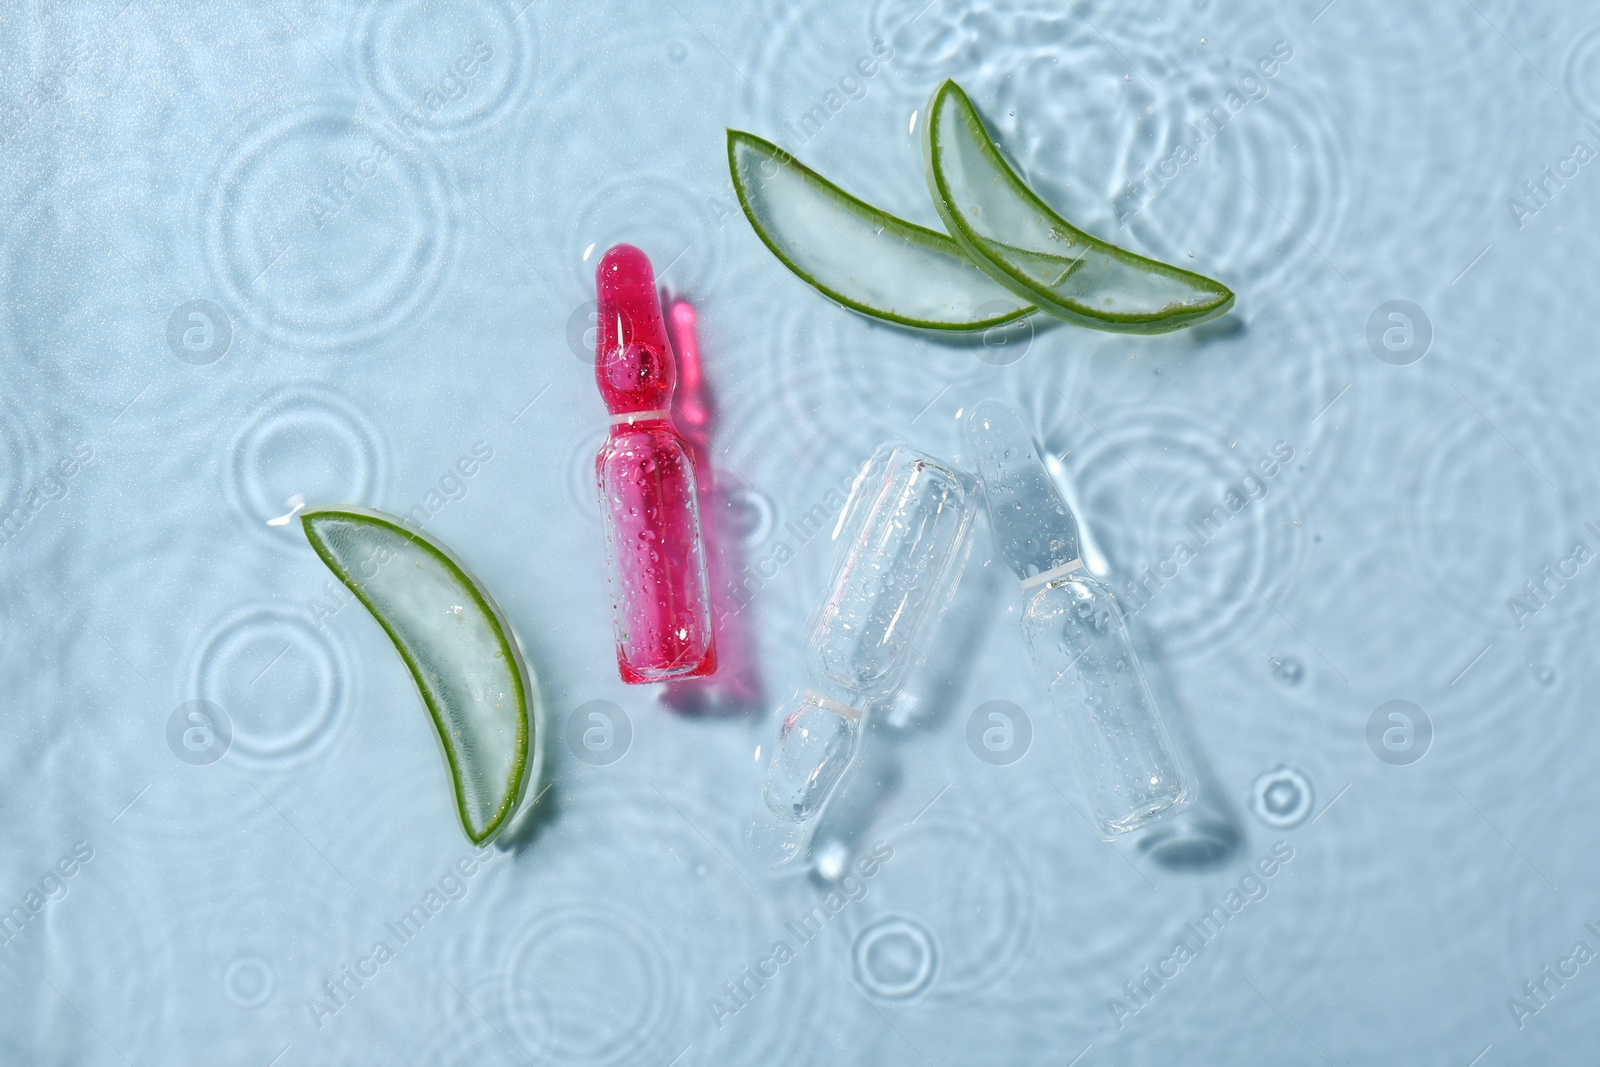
(631, 417)
(833, 705)
(1052, 574)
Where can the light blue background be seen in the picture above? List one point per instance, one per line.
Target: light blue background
(398, 253)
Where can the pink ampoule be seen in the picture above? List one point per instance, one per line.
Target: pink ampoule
(660, 595)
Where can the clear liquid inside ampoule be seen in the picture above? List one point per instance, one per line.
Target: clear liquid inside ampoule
(1128, 767)
(815, 744)
(908, 535)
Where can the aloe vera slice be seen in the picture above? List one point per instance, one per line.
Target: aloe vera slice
(857, 255)
(457, 646)
(1024, 245)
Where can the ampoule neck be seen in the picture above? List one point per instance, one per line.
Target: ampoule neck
(631, 421)
(1035, 532)
(1049, 579)
(851, 708)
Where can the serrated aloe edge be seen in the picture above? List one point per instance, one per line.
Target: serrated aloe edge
(1025, 246)
(458, 647)
(857, 255)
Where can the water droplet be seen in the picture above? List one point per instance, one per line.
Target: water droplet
(1281, 798)
(895, 958)
(249, 981)
(1287, 669)
(833, 860)
(749, 515)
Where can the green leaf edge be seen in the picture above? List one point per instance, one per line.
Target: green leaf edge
(909, 230)
(526, 699)
(1112, 322)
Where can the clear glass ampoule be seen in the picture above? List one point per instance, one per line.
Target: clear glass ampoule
(899, 546)
(1130, 770)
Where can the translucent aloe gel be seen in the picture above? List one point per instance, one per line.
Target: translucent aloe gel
(900, 543)
(1128, 767)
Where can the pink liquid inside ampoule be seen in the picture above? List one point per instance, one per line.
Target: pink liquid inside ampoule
(660, 593)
